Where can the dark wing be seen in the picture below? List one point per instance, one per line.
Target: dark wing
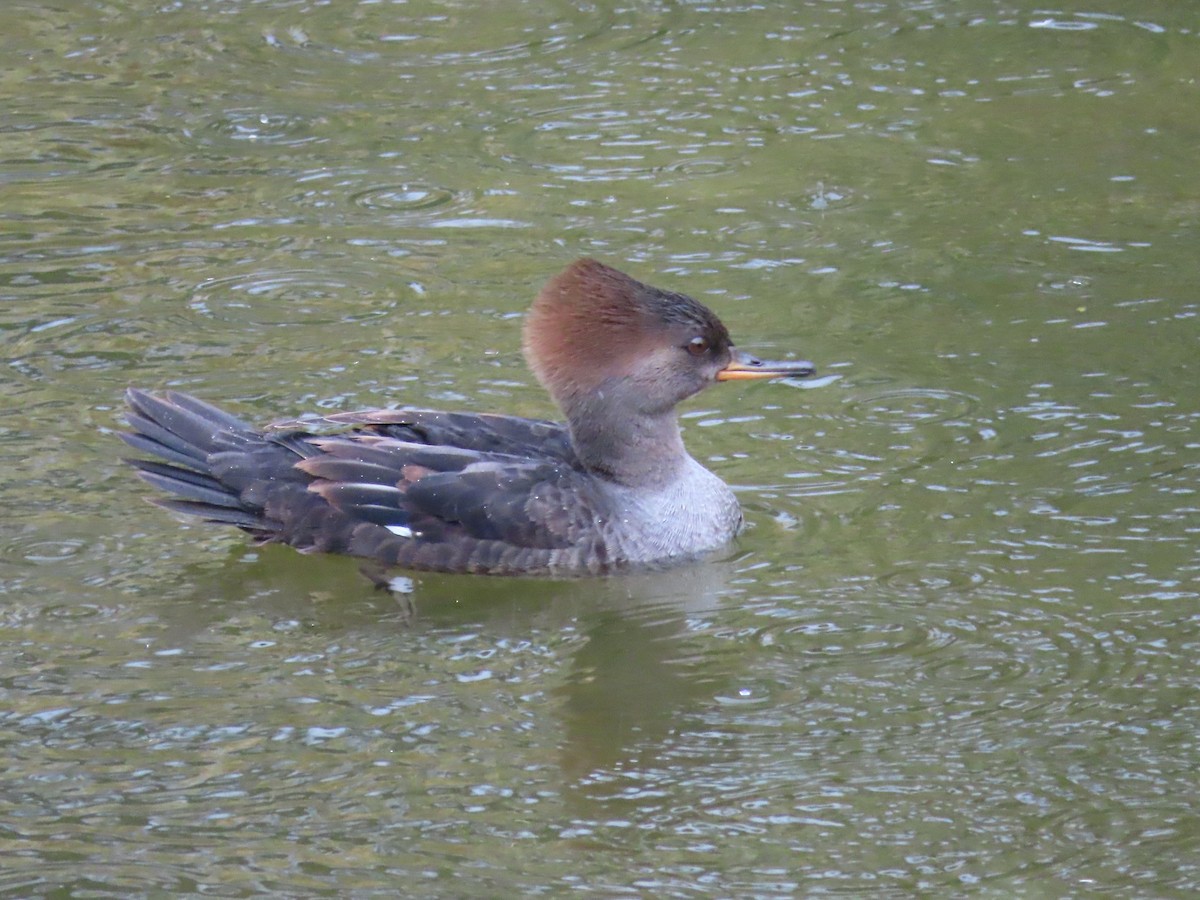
(423, 503)
(453, 509)
(485, 432)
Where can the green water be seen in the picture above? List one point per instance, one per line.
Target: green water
(954, 654)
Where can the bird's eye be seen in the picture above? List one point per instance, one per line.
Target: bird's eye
(698, 346)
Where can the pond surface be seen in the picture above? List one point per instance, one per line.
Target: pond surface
(956, 652)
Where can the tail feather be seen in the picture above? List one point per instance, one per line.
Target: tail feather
(222, 515)
(186, 484)
(185, 425)
(143, 443)
(194, 444)
(207, 412)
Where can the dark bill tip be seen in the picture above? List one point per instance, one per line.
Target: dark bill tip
(744, 367)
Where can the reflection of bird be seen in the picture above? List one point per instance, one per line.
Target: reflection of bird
(613, 487)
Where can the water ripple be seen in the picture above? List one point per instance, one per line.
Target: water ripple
(256, 126)
(937, 578)
(599, 141)
(276, 297)
(905, 409)
(403, 198)
(840, 638)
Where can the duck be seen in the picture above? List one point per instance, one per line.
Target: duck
(610, 488)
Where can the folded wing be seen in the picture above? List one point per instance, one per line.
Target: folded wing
(449, 492)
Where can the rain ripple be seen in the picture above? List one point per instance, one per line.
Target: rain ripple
(403, 198)
(905, 409)
(596, 141)
(258, 127)
(278, 297)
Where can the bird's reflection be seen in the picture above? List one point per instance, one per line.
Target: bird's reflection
(630, 668)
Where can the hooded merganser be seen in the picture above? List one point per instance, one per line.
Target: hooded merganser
(611, 488)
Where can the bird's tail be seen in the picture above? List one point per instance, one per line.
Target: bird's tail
(203, 455)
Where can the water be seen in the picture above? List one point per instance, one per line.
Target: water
(956, 651)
